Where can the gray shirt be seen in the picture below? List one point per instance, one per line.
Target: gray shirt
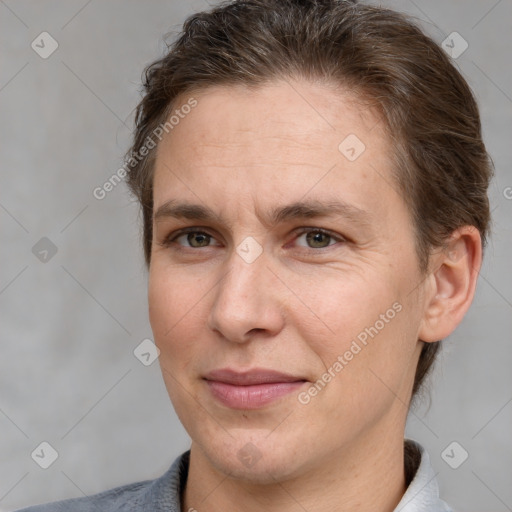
(163, 494)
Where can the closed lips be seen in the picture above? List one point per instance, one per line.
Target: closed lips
(251, 377)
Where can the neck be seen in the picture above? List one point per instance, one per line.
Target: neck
(366, 476)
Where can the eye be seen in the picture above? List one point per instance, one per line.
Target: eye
(316, 238)
(190, 239)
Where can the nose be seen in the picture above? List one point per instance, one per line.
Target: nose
(246, 301)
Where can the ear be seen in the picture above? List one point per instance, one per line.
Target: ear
(451, 284)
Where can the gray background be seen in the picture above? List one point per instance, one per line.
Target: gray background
(68, 374)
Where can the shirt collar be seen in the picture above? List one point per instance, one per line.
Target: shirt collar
(422, 494)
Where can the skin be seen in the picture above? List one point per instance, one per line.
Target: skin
(300, 304)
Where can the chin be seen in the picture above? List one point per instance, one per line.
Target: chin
(253, 458)
(269, 468)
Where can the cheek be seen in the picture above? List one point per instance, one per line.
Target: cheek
(174, 305)
(172, 294)
(362, 331)
(336, 311)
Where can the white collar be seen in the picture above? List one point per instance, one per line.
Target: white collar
(422, 495)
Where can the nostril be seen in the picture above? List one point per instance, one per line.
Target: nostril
(256, 330)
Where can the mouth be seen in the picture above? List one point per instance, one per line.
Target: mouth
(251, 389)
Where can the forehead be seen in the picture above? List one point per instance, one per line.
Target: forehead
(282, 139)
(300, 112)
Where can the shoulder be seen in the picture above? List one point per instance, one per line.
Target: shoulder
(161, 494)
(118, 499)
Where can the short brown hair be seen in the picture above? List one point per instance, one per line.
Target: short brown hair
(442, 167)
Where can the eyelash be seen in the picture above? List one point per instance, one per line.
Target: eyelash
(170, 239)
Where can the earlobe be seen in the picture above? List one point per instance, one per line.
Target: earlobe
(452, 284)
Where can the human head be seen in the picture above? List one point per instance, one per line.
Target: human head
(441, 166)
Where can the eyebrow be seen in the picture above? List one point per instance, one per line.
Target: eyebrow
(296, 210)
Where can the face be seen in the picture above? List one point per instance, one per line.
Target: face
(284, 288)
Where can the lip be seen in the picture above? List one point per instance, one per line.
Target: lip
(251, 389)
